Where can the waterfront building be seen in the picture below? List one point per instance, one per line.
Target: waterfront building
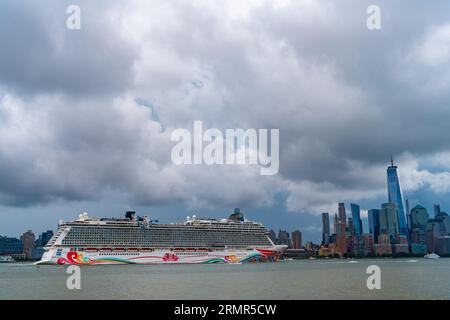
(368, 244)
(384, 245)
(395, 195)
(356, 216)
(28, 240)
(296, 239)
(325, 228)
(10, 246)
(356, 245)
(435, 229)
(401, 245)
(389, 220)
(374, 223)
(437, 233)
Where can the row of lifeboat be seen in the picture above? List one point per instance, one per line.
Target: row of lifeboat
(144, 250)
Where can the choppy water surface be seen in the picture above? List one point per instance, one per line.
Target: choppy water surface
(298, 279)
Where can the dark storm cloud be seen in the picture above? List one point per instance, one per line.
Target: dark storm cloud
(40, 55)
(92, 110)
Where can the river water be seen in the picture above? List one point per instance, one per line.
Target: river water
(297, 279)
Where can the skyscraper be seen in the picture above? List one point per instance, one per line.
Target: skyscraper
(419, 220)
(437, 210)
(340, 232)
(356, 216)
(28, 239)
(296, 239)
(342, 214)
(325, 228)
(389, 220)
(374, 223)
(410, 204)
(395, 196)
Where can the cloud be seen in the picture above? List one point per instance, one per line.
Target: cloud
(87, 113)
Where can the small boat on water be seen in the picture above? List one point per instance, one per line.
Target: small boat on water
(6, 259)
(431, 256)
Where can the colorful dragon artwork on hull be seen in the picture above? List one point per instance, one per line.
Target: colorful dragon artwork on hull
(76, 258)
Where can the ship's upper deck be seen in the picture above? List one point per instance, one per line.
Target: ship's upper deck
(85, 220)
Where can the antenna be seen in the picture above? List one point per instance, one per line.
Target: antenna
(392, 161)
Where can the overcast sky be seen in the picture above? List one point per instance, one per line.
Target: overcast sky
(86, 115)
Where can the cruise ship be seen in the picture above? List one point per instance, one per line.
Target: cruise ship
(139, 240)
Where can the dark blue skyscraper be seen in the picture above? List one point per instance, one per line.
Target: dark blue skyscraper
(374, 223)
(356, 217)
(395, 196)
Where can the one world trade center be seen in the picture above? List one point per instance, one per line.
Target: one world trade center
(395, 196)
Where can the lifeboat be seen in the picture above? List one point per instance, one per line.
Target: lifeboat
(119, 250)
(146, 250)
(132, 250)
(105, 250)
(91, 250)
(190, 250)
(178, 250)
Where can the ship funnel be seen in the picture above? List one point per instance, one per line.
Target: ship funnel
(130, 215)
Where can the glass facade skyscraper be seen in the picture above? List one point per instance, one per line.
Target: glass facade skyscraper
(395, 196)
(389, 220)
(356, 217)
(325, 228)
(374, 223)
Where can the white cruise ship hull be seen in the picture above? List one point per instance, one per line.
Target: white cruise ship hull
(64, 256)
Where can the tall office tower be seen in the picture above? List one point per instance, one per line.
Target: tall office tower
(374, 223)
(341, 242)
(28, 239)
(389, 223)
(410, 204)
(351, 226)
(296, 239)
(335, 223)
(419, 220)
(437, 210)
(325, 228)
(395, 196)
(356, 216)
(342, 214)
